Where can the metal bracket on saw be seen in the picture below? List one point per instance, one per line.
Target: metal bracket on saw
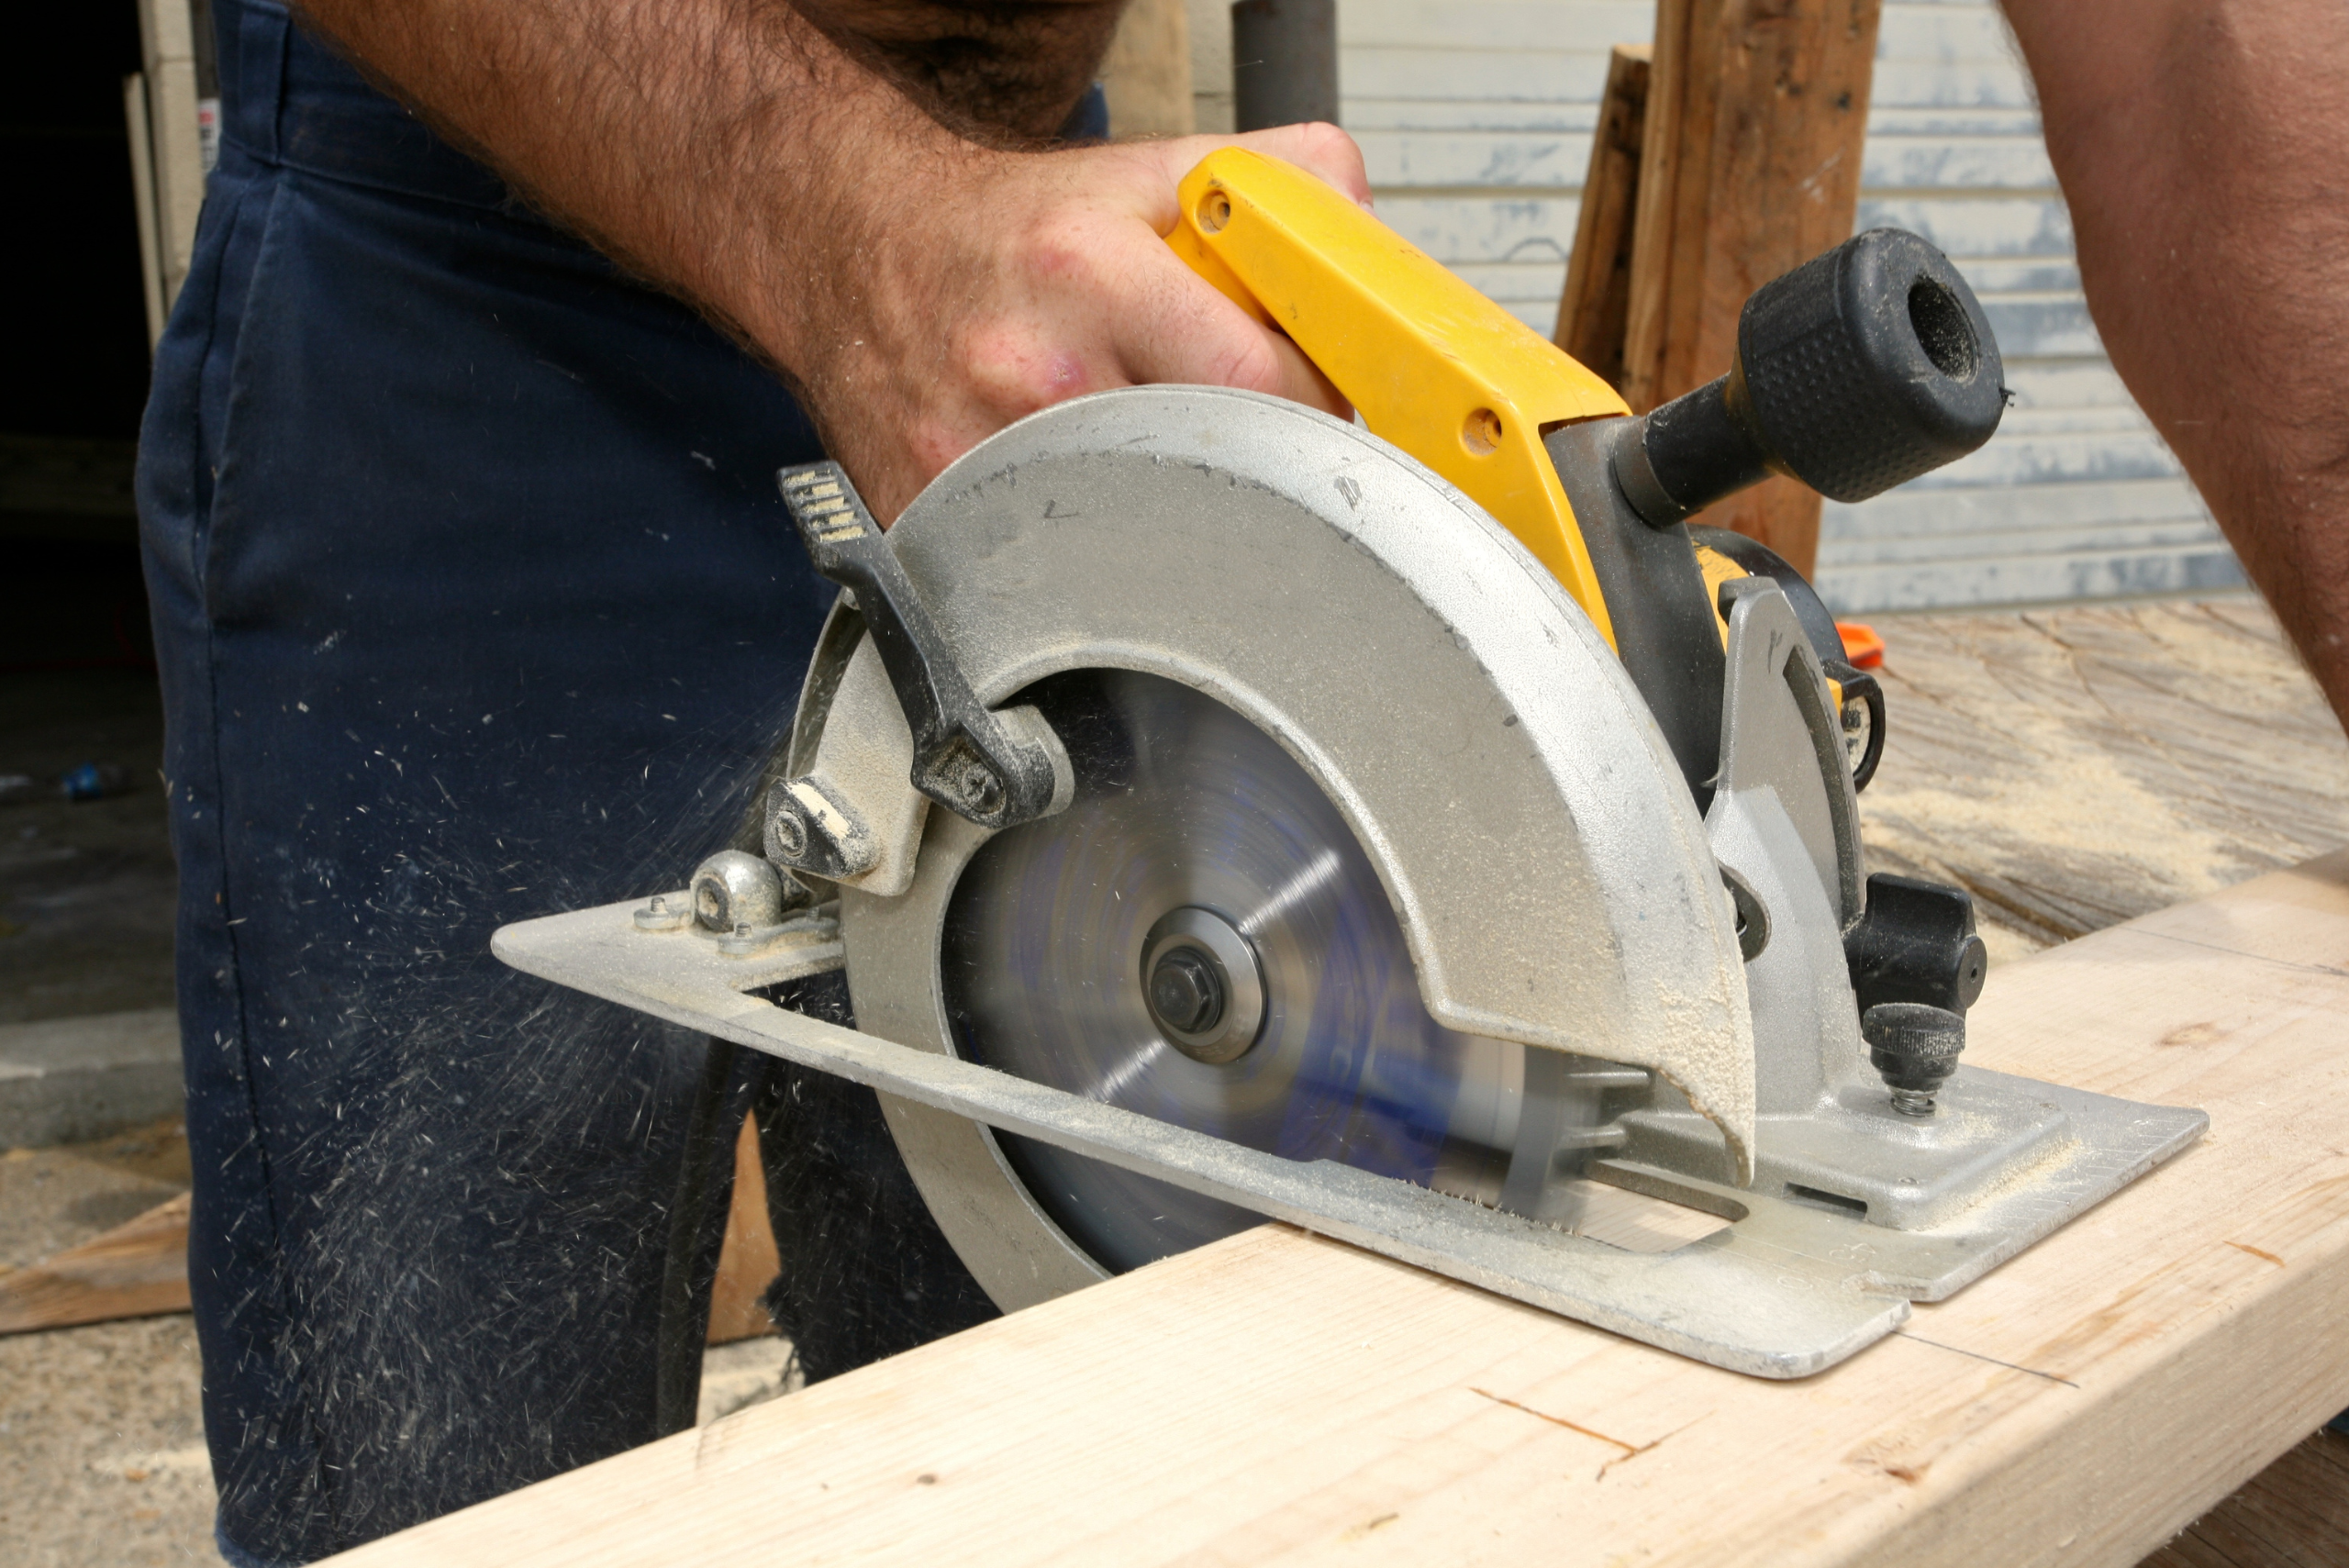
(995, 769)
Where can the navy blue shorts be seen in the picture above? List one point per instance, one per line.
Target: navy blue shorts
(473, 601)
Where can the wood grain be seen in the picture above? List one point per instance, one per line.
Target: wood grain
(2294, 1514)
(1595, 308)
(1281, 1399)
(136, 1270)
(2079, 765)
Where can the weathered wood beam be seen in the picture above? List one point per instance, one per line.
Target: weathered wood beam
(1750, 165)
(1594, 308)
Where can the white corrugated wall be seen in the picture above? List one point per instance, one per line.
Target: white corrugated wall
(1476, 117)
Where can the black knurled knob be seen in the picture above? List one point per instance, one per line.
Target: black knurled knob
(1858, 371)
(1868, 366)
(1915, 1046)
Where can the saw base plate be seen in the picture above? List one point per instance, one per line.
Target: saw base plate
(1785, 1289)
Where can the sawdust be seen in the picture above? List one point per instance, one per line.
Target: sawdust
(2074, 768)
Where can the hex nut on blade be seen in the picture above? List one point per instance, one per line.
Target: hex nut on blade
(1203, 985)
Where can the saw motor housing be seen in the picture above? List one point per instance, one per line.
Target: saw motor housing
(1604, 764)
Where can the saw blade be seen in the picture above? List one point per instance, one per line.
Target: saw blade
(1190, 819)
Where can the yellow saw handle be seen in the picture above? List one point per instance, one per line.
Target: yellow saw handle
(1432, 365)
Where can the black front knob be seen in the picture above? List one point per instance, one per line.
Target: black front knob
(1856, 372)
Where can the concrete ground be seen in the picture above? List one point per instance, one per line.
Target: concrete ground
(102, 1456)
(86, 888)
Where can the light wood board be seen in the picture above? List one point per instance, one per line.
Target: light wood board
(1281, 1399)
(747, 1259)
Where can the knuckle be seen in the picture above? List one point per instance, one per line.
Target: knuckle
(1013, 371)
(1247, 364)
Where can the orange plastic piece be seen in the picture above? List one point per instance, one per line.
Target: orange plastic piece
(1862, 646)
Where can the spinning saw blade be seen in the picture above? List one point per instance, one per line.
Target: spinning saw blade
(1200, 938)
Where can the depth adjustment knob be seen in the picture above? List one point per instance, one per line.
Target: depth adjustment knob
(1856, 372)
(1915, 1046)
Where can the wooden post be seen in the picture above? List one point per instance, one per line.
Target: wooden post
(1147, 73)
(1750, 165)
(1595, 308)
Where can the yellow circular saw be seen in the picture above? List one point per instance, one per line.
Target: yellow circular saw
(1413, 828)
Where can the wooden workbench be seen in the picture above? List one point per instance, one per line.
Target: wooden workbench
(1281, 1398)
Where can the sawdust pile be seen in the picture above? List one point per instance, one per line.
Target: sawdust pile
(2079, 766)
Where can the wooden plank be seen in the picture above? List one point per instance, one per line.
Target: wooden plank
(2294, 1514)
(136, 1270)
(1595, 306)
(1751, 166)
(2088, 764)
(1281, 1398)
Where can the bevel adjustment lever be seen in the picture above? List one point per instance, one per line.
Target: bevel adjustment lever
(998, 770)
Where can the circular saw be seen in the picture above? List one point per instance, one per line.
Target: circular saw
(1416, 828)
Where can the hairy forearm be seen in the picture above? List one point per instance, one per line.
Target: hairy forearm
(692, 139)
(858, 189)
(2203, 147)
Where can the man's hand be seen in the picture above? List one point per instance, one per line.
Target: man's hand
(920, 287)
(1006, 282)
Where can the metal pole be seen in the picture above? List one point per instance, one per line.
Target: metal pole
(1283, 63)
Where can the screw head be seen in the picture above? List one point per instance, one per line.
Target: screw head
(790, 834)
(979, 786)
